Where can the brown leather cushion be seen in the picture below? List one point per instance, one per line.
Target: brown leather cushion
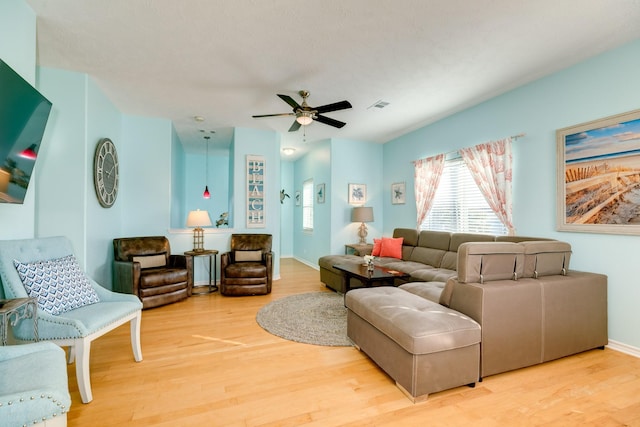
(246, 269)
(154, 277)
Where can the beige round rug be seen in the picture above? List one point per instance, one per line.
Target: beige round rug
(318, 318)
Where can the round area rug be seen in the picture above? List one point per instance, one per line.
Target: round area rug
(318, 318)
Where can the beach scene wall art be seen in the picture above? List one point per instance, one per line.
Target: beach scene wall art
(599, 175)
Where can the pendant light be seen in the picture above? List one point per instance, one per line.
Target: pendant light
(206, 193)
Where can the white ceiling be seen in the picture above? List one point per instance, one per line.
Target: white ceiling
(226, 60)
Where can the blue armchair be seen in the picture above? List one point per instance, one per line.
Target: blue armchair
(77, 327)
(34, 389)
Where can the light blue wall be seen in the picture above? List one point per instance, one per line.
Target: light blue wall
(146, 176)
(286, 209)
(602, 86)
(259, 143)
(218, 184)
(337, 163)
(178, 178)
(316, 165)
(354, 162)
(18, 50)
(66, 203)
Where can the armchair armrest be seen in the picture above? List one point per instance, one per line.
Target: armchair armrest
(268, 259)
(186, 262)
(126, 277)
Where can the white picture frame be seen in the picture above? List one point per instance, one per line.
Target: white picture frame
(357, 194)
(320, 193)
(398, 193)
(255, 192)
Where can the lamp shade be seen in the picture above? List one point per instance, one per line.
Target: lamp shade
(198, 218)
(362, 214)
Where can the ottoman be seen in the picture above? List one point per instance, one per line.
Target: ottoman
(423, 346)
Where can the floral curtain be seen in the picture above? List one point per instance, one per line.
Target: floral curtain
(426, 179)
(490, 166)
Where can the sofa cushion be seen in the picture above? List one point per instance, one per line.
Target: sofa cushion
(243, 256)
(479, 262)
(151, 261)
(427, 290)
(391, 247)
(545, 258)
(59, 284)
(433, 274)
(428, 256)
(409, 235)
(459, 238)
(434, 239)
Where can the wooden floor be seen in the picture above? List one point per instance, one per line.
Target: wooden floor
(208, 363)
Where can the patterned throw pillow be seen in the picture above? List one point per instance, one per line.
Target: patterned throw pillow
(58, 284)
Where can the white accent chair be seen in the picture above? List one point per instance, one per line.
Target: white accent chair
(76, 328)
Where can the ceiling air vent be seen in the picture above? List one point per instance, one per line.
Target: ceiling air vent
(379, 104)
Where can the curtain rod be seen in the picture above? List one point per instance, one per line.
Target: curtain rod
(514, 137)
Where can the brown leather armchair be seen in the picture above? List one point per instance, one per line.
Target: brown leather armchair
(247, 268)
(144, 266)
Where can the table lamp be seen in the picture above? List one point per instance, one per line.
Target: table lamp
(362, 214)
(198, 219)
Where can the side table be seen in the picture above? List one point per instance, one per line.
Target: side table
(360, 249)
(16, 309)
(213, 257)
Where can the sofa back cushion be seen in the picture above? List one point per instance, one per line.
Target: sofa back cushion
(479, 262)
(545, 258)
(432, 246)
(410, 240)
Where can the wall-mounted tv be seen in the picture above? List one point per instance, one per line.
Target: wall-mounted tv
(23, 117)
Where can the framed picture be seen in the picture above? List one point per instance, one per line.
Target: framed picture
(357, 194)
(598, 177)
(320, 189)
(255, 191)
(398, 193)
(298, 198)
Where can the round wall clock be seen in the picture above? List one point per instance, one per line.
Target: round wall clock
(105, 172)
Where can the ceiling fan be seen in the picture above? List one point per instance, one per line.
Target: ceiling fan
(305, 114)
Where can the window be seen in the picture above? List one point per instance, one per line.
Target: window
(459, 206)
(307, 205)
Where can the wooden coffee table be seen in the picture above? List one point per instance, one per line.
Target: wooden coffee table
(379, 275)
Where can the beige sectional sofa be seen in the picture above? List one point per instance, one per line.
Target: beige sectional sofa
(507, 305)
(428, 256)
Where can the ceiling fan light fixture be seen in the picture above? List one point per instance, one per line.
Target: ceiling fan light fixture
(304, 118)
(288, 151)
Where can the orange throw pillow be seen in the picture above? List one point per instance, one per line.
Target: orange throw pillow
(377, 243)
(391, 247)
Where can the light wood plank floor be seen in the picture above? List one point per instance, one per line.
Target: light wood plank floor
(208, 363)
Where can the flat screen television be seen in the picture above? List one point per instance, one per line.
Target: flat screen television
(23, 117)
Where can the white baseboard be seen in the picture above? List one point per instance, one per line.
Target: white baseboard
(305, 262)
(624, 348)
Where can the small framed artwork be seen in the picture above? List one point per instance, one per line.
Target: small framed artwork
(297, 196)
(320, 193)
(598, 172)
(357, 194)
(398, 193)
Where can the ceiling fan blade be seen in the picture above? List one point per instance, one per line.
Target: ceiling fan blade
(289, 100)
(273, 115)
(295, 126)
(329, 121)
(342, 105)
